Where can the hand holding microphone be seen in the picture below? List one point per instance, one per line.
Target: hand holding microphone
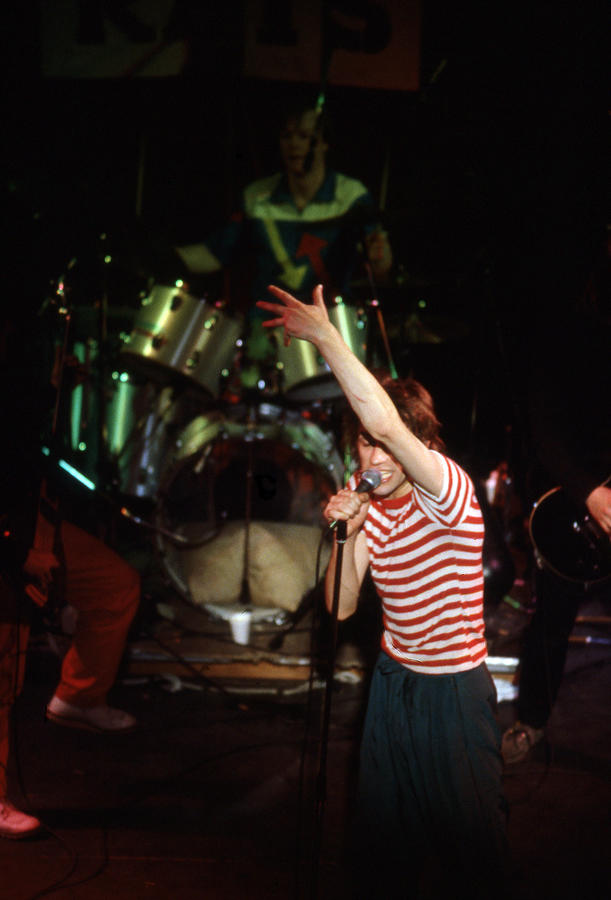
(346, 505)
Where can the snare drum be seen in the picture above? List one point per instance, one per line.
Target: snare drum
(304, 375)
(178, 336)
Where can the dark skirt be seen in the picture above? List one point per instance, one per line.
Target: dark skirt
(431, 815)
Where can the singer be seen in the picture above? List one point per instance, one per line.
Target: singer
(430, 813)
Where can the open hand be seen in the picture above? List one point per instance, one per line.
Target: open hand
(300, 320)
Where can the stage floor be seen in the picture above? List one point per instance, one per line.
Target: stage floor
(213, 795)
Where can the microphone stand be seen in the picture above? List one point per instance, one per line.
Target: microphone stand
(321, 781)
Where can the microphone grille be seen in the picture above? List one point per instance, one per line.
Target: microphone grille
(371, 477)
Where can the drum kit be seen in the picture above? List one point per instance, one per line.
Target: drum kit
(233, 478)
(179, 436)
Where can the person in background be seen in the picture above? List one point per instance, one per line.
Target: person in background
(570, 423)
(48, 560)
(298, 227)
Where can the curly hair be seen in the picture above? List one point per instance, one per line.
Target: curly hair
(414, 405)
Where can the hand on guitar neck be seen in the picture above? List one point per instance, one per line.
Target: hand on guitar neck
(599, 505)
(574, 543)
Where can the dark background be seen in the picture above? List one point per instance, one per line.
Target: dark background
(495, 205)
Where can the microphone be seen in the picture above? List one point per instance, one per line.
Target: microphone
(370, 479)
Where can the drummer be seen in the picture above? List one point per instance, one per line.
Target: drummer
(299, 227)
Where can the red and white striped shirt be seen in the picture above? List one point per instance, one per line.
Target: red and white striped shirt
(425, 555)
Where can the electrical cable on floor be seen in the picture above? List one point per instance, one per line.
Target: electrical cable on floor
(59, 883)
(308, 711)
(197, 674)
(63, 883)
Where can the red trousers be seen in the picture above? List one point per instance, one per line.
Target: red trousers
(105, 590)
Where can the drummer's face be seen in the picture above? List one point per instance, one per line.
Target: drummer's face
(296, 140)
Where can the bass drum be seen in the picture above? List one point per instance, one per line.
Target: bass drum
(246, 499)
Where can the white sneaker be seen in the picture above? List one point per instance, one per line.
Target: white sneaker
(15, 824)
(100, 719)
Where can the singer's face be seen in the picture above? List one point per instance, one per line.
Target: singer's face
(372, 455)
(296, 141)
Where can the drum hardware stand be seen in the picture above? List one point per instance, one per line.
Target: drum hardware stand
(232, 701)
(276, 642)
(198, 468)
(158, 529)
(101, 303)
(590, 639)
(602, 621)
(374, 304)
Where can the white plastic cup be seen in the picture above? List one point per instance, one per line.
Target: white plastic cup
(240, 626)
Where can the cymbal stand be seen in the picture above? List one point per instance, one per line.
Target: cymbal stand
(375, 305)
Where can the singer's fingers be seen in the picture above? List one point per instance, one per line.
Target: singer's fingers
(271, 307)
(279, 311)
(319, 301)
(345, 505)
(272, 323)
(286, 298)
(317, 297)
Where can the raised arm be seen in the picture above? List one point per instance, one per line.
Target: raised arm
(368, 399)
